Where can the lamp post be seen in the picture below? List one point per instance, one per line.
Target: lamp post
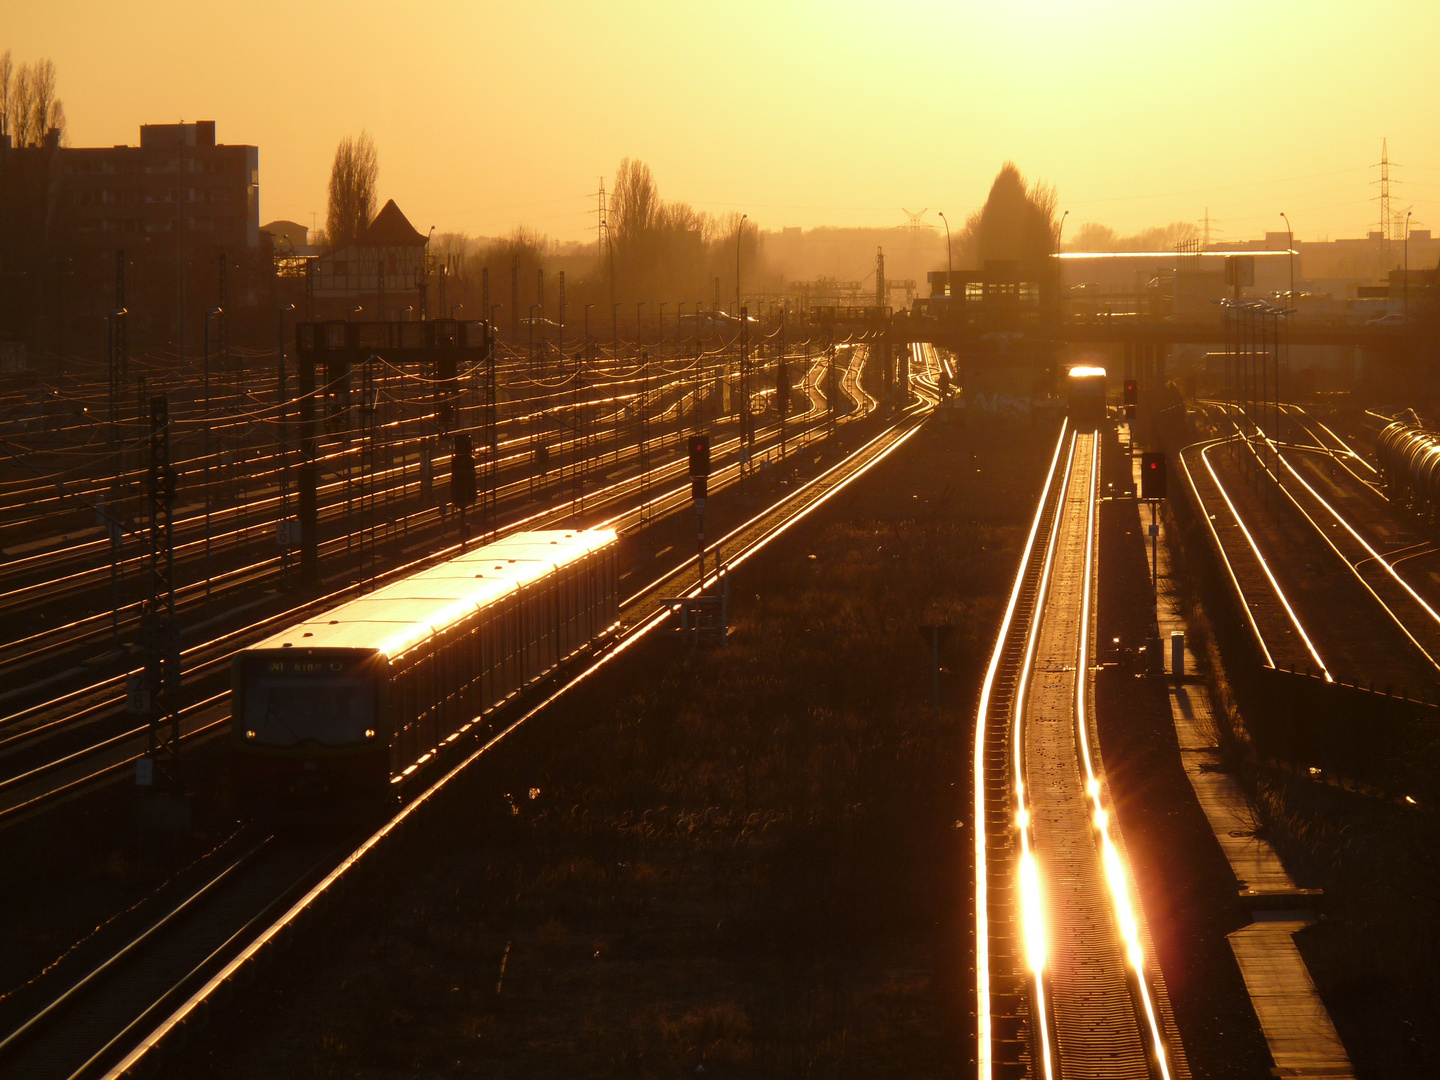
(639, 336)
(284, 448)
(454, 308)
(1060, 230)
(739, 231)
(531, 331)
(660, 337)
(1290, 251)
(1407, 264)
(949, 261)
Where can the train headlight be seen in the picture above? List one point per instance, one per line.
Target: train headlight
(369, 733)
(250, 734)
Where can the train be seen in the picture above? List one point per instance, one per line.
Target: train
(1085, 396)
(331, 714)
(1409, 460)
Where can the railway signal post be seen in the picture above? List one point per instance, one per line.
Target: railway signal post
(699, 488)
(161, 681)
(462, 480)
(1152, 490)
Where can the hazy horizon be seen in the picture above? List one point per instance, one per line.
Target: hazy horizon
(805, 115)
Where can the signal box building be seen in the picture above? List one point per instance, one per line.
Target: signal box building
(382, 271)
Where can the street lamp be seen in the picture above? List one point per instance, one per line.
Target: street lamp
(1060, 232)
(532, 337)
(454, 308)
(1290, 251)
(949, 262)
(739, 230)
(356, 310)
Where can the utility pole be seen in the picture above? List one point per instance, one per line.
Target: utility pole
(1386, 226)
(117, 386)
(205, 451)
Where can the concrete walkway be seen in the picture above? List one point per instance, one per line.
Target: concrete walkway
(1298, 1030)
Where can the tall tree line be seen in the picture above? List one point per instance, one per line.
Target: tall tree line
(28, 105)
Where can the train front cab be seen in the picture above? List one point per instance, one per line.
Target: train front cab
(1085, 396)
(308, 734)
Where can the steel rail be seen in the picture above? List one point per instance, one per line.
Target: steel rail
(984, 1032)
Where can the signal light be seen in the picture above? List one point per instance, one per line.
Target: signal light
(462, 472)
(699, 455)
(1132, 392)
(699, 466)
(1152, 475)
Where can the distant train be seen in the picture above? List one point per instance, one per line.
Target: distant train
(1085, 396)
(1409, 459)
(331, 713)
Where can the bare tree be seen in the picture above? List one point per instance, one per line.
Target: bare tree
(42, 98)
(1094, 237)
(635, 203)
(7, 69)
(19, 116)
(352, 189)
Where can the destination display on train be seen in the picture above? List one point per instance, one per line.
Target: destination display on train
(302, 666)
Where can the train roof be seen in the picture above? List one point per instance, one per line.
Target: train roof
(396, 617)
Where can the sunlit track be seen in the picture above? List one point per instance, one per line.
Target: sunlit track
(113, 751)
(1341, 451)
(121, 1037)
(1249, 602)
(1067, 981)
(999, 997)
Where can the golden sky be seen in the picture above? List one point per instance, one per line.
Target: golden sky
(491, 115)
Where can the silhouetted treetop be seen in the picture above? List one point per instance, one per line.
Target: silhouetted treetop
(1016, 222)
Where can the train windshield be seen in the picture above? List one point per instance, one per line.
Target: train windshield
(328, 711)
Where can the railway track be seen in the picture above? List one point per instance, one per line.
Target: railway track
(1066, 979)
(1345, 520)
(198, 945)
